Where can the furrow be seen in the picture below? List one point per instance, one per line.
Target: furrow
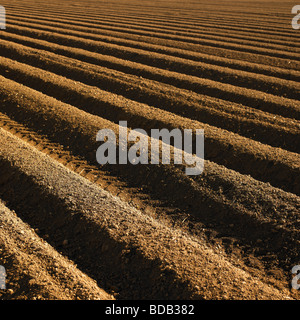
(284, 133)
(276, 52)
(251, 98)
(46, 20)
(274, 165)
(111, 232)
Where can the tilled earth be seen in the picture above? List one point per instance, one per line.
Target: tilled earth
(73, 229)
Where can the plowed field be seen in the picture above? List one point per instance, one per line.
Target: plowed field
(71, 228)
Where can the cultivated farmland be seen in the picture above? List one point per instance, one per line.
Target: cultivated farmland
(71, 228)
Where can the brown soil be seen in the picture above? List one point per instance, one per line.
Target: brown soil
(35, 270)
(72, 229)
